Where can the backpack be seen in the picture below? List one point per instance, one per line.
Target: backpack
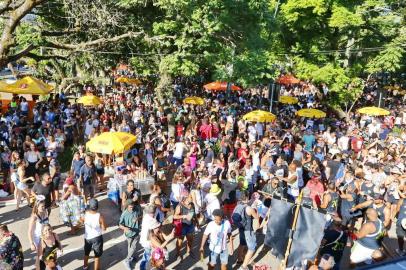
(165, 200)
(239, 216)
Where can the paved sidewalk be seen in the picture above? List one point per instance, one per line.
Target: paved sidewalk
(114, 242)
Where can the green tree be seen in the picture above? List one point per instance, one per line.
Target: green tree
(340, 42)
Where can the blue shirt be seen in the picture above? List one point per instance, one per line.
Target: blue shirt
(309, 141)
(76, 166)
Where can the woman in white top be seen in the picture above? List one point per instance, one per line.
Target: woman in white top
(39, 217)
(94, 226)
(197, 196)
(177, 187)
(292, 181)
(32, 158)
(24, 107)
(51, 145)
(18, 178)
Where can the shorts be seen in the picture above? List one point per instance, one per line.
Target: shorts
(251, 240)
(95, 245)
(242, 237)
(392, 200)
(178, 161)
(100, 171)
(20, 185)
(360, 254)
(56, 180)
(88, 190)
(400, 232)
(223, 257)
(248, 239)
(187, 229)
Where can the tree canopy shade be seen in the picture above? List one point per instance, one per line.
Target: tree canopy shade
(335, 42)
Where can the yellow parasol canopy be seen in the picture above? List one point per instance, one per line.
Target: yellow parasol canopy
(89, 100)
(288, 100)
(128, 80)
(194, 100)
(374, 111)
(27, 85)
(259, 116)
(111, 143)
(311, 113)
(3, 85)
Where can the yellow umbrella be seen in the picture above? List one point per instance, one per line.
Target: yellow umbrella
(3, 85)
(89, 100)
(122, 80)
(134, 81)
(111, 143)
(27, 85)
(128, 80)
(288, 100)
(311, 113)
(259, 116)
(374, 111)
(194, 100)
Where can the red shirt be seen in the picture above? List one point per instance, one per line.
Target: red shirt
(215, 131)
(240, 154)
(316, 190)
(205, 131)
(179, 130)
(356, 144)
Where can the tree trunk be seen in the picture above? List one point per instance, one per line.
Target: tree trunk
(164, 89)
(13, 18)
(339, 112)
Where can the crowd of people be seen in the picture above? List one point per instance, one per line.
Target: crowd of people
(213, 173)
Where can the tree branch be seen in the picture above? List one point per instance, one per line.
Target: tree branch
(4, 6)
(93, 43)
(21, 53)
(60, 33)
(6, 40)
(37, 57)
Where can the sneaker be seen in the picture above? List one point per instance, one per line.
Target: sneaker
(400, 252)
(127, 264)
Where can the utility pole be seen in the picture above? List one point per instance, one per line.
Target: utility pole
(271, 93)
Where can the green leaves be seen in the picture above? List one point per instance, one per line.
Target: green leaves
(343, 18)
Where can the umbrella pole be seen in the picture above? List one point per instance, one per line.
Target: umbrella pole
(285, 260)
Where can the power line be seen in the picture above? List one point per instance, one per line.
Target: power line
(325, 52)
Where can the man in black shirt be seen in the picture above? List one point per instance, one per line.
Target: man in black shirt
(45, 188)
(334, 242)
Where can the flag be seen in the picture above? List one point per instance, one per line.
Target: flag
(279, 226)
(307, 236)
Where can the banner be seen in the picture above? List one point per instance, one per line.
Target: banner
(307, 236)
(279, 225)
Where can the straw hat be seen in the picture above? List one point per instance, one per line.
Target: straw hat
(215, 189)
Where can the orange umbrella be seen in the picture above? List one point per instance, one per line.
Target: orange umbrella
(288, 79)
(220, 86)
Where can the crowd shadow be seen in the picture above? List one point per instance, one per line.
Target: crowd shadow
(12, 216)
